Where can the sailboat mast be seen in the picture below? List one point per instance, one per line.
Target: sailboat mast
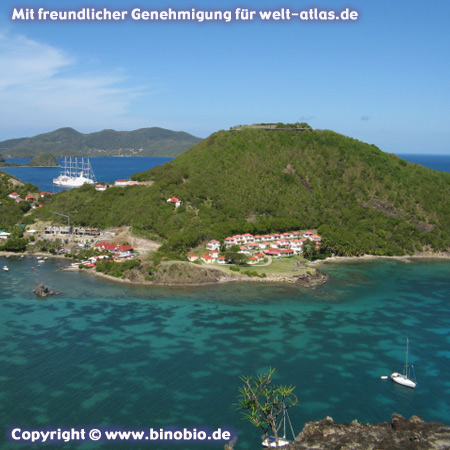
(406, 358)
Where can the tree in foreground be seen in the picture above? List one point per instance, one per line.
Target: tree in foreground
(263, 404)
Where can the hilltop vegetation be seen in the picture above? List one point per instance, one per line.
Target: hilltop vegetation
(360, 199)
(67, 141)
(43, 160)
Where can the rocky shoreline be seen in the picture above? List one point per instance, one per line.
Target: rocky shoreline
(183, 273)
(405, 258)
(399, 434)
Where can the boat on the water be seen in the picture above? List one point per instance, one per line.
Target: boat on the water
(75, 172)
(271, 442)
(408, 377)
(5, 268)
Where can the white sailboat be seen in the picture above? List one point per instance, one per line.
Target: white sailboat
(408, 377)
(282, 441)
(75, 173)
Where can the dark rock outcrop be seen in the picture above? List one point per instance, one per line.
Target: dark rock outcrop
(399, 434)
(184, 273)
(312, 278)
(44, 291)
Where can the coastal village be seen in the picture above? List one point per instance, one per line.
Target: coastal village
(257, 249)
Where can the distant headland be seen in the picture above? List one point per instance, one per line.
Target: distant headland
(153, 141)
(41, 160)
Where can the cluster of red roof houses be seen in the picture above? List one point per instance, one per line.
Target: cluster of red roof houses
(117, 253)
(29, 198)
(257, 247)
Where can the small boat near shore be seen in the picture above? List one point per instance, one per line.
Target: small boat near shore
(408, 377)
(6, 268)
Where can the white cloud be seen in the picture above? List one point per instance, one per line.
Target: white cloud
(41, 88)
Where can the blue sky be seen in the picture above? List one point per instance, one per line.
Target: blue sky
(383, 79)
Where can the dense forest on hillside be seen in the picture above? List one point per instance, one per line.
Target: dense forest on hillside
(360, 199)
(69, 142)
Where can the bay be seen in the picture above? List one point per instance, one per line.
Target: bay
(120, 356)
(106, 169)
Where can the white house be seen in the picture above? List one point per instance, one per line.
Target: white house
(213, 245)
(207, 259)
(4, 235)
(214, 254)
(122, 182)
(192, 257)
(174, 200)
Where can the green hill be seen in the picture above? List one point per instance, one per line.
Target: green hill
(67, 141)
(361, 199)
(43, 160)
(11, 212)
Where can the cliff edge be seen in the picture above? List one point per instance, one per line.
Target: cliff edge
(399, 434)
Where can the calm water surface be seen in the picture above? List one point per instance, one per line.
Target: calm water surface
(106, 169)
(114, 355)
(108, 354)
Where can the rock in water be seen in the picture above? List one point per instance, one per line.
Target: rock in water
(44, 291)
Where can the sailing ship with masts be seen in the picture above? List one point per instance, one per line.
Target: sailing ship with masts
(75, 172)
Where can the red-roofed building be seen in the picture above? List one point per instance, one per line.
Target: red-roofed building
(31, 198)
(122, 183)
(207, 259)
(192, 257)
(100, 187)
(213, 245)
(275, 253)
(287, 252)
(13, 195)
(253, 260)
(222, 260)
(174, 200)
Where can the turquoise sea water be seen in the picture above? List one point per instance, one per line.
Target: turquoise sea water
(113, 355)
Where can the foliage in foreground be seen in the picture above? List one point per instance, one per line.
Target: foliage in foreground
(263, 404)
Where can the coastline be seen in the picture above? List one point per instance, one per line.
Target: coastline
(302, 278)
(404, 258)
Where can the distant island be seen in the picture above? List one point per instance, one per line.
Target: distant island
(42, 160)
(154, 141)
